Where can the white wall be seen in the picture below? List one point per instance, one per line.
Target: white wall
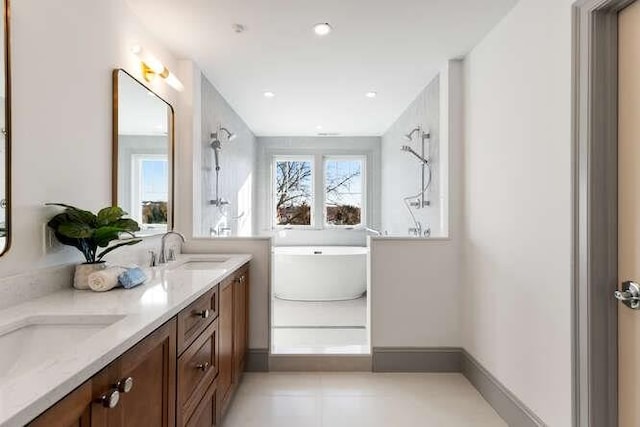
(237, 162)
(415, 293)
(415, 283)
(401, 172)
(518, 205)
(62, 113)
(317, 146)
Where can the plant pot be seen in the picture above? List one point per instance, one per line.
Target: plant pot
(81, 276)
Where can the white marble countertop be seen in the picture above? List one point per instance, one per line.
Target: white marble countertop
(25, 395)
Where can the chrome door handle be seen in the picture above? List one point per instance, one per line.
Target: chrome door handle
(203, 314)
(125, 385)
(203, 366)
(629, 295)
(110, 399)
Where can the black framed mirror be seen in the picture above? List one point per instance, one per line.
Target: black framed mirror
(143, 154)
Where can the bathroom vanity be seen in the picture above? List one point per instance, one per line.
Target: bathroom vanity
(170, 352)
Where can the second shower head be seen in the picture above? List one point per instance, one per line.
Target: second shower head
(409, 136)
(424, 134)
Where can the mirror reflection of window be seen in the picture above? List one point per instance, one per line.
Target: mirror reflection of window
(143, 155)
(150, 190)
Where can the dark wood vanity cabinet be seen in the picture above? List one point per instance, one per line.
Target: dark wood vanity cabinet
(182, 374)
(240, 322)
(72, 411)
(145, 378)
(234, 330)
(136, 389)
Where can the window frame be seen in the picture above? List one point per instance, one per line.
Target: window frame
(276, 158)
(363, 202)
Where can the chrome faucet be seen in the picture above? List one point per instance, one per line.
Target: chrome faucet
(418, 231)
(163, 257)
(373, 231)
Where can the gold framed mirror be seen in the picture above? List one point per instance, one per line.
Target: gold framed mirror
(5, 134)
(143, 154)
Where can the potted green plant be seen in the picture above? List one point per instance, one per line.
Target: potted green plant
(89, 232)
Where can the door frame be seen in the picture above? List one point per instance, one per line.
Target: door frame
(595, 211)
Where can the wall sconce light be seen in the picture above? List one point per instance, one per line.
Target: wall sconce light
(152, 68)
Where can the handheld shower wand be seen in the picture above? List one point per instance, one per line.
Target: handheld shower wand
(412, 151)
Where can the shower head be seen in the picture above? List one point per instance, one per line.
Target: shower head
(424, 134)
(409, 136)
(412, 151)
(230, 136)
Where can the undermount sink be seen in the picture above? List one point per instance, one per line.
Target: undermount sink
(23, 343)
(208, 264)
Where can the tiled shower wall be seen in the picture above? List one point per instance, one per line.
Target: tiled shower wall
(401, 172)
(237, 163)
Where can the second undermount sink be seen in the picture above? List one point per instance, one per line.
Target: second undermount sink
(204, 264)
(26, 343)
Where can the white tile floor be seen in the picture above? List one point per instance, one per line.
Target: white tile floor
(320, 313)
(319, 341)
(358, 400)
(320, 327)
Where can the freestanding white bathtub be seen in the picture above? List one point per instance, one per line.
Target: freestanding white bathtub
(319, 273)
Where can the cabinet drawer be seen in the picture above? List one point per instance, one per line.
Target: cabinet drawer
(197, 367)
(206, 413)
(196, 317)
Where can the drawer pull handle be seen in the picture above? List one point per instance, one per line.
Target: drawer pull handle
(203, 366)
(110, 399)
(203, 314)
(125, 385)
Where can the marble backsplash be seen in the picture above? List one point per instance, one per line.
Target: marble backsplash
(18, 288)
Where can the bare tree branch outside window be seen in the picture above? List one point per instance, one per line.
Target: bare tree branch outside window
(293, 192)
(343, 191)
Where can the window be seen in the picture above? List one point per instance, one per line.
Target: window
(150, 190)
(339, 201)
(293, 191)
(343, 191)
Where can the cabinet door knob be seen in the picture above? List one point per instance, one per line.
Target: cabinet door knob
(125, 385)
(110, 399)
(203, 366)
(203, 313)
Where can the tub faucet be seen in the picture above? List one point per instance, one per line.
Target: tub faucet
(373, 231)
(163, 257)
(417, 230)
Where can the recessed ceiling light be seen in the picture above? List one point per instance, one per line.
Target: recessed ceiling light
(269, 94)
(322, 29)
(238, 28)
(319, 127)
(371, 94)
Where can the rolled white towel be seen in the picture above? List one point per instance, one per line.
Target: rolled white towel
(105, 280)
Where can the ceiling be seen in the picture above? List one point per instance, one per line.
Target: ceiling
(392, 47)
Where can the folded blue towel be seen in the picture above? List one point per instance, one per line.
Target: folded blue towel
(132, 277)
